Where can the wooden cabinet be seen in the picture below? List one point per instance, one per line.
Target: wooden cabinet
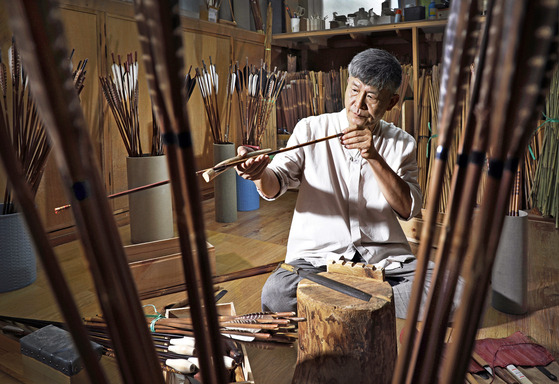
(98, 29)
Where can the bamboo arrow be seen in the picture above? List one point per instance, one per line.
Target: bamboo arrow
(121, 193)
(528, 71)
(456, 60)
(211, 173)
(163, 50)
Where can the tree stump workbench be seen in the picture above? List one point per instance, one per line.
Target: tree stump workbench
(346, 340)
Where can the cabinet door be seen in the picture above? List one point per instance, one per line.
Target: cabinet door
(198, 47)
(82, 36)
(222, 48)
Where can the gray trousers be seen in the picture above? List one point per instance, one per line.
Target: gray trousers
(279, 293)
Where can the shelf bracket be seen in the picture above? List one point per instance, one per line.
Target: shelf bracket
(319, 41)
(365, 39)
(405, 34)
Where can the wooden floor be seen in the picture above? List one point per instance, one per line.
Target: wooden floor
(256, 238)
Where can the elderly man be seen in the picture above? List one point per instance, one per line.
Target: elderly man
(351, 191)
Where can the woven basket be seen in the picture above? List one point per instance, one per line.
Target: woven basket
(18, 267)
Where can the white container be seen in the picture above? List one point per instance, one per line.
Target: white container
(313, 24)
(212, 14)
(295, 23)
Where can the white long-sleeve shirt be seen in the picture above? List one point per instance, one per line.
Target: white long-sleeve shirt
(340, 208)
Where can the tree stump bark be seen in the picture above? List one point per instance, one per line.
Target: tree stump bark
(344, 339)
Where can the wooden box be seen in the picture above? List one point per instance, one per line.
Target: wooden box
(35, 371)
(157, 266)
(243, 373)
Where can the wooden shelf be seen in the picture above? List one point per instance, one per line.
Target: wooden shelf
(293, 40)
(412, 34)
(419, 42)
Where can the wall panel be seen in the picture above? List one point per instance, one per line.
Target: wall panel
(81, 35)
(96, 30)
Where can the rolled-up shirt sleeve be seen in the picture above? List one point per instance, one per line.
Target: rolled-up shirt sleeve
(288, 166)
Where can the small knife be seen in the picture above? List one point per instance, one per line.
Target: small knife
(544, 370)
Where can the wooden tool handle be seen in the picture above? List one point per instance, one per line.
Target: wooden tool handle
(288, 267)
(504, 375)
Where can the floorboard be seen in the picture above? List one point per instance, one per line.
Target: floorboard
(256, 238)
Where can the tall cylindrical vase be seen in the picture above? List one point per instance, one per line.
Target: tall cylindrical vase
(151, 210)
(510, 271)
(225, 189)
(18, 266)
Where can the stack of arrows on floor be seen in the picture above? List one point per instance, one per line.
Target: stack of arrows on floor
(262, 326)
(173, 338)
(511, 78)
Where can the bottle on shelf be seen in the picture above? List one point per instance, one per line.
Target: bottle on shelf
(398, 15)
(432, 10)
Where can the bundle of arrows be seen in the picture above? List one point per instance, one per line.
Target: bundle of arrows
(24, 126)
(309, 93)
(496, 132)
(278, 327)
(176, 347)
(257, 91)
(78, 73)
(174, 340)
(122, 94)
(207, 79)
(176, 353)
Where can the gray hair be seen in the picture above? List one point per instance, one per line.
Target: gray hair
(377, 68)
